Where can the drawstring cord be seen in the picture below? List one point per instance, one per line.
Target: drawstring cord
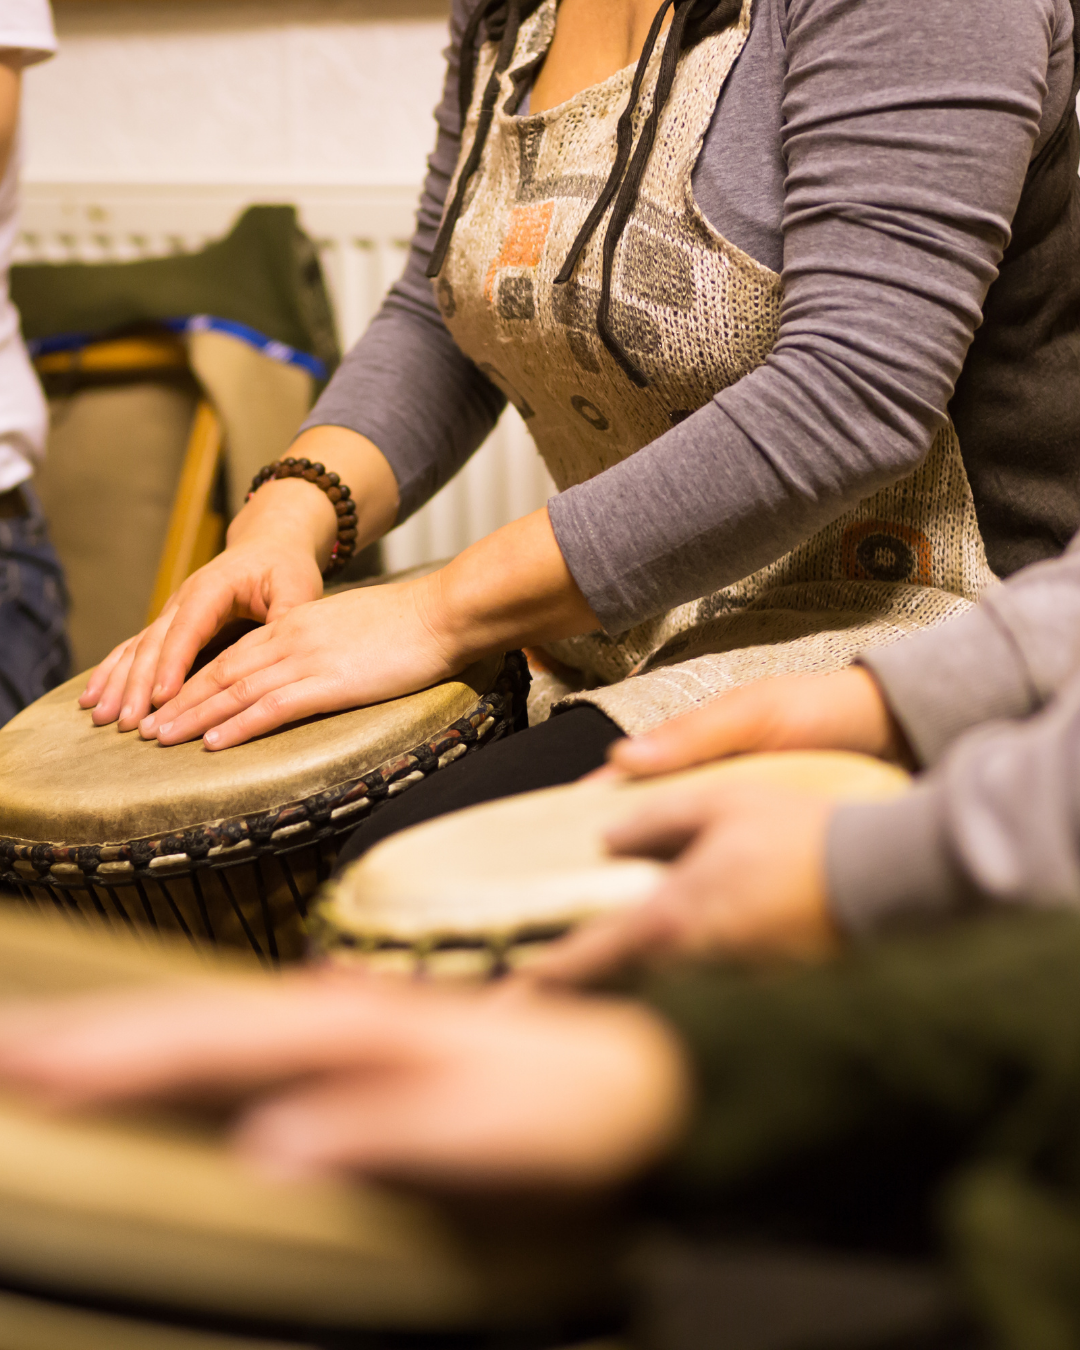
(627, 172)
(487, 113)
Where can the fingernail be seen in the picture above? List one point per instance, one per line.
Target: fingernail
(125, 713)
(164, 729)
(212, 737)
(158, 693)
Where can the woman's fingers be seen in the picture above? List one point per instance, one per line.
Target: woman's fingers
(136, 696)
(99, 676)
(247, 656)
(123, 695)
(279, 707)
(219, 709)
(663, 830)
(195, 621)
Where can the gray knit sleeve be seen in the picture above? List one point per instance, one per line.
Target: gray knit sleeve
(1006, 659)
(997, 824)
(406, 385)
(908, 127)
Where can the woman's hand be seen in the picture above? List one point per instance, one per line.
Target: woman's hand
(748, 880)
(844, 710)
(338, 1073)
(262, 579)
(360, 647)
(277, 548)
(380, 642)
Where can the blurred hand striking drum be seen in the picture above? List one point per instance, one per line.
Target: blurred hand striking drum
(145, 1231)
(227, 846)
(474, 893)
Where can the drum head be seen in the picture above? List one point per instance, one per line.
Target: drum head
(63, 780)
(534, 865)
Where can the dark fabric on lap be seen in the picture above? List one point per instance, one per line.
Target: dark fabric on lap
(557, 751)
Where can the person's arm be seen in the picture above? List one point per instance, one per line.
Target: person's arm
(399, 418)
(908, 701)
(908, 130)
(995, 826)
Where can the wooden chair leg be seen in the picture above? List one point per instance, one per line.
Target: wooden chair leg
(196, 531)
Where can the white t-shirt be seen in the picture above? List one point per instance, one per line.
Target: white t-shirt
(26, 37)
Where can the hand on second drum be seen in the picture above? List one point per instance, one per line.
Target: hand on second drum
(336, 1073)
(748, 880)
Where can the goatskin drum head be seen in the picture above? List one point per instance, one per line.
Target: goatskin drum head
(64, 780)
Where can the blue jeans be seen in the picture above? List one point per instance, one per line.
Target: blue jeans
(34, 652)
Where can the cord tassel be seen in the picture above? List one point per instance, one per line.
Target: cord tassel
(624, 141)
(628, 192)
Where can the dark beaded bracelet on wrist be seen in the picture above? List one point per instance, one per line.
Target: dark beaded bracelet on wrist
(335, 489)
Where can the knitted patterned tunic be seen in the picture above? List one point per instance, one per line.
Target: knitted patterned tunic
(697, 314)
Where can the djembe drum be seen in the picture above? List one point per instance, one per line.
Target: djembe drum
(223, 847)
(475, 893)
(144, 1233)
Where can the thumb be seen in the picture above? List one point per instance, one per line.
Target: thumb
(288, 587)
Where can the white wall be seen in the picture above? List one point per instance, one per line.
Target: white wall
(237, 91)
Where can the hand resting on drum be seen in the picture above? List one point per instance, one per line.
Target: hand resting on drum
(331, 1072)
(749, 863)
(748, 880)
(320, 656)
(276, 549)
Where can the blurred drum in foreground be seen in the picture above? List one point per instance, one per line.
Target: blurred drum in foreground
(145, 1233)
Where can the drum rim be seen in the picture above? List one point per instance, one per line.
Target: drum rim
(296, 824)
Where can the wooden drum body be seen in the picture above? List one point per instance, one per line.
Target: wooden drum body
(473, 893)
(224, 847)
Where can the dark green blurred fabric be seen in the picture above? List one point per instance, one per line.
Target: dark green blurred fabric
(922, 1097)
(265, 274)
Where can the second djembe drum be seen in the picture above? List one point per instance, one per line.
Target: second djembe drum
(477, 892)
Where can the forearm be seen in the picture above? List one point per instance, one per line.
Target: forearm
(511, 589)
(996, 826)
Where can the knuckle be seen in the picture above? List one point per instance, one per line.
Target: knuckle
(244, 690)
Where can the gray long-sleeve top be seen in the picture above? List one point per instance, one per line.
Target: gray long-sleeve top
(875, 153)
(990, 703)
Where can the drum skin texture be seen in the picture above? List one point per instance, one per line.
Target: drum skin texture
(225, 846)
(469, 893)
(158, 1213)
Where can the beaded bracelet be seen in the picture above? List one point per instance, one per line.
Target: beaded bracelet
(335, 489)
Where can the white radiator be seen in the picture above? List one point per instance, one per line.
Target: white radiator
(362, 236)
